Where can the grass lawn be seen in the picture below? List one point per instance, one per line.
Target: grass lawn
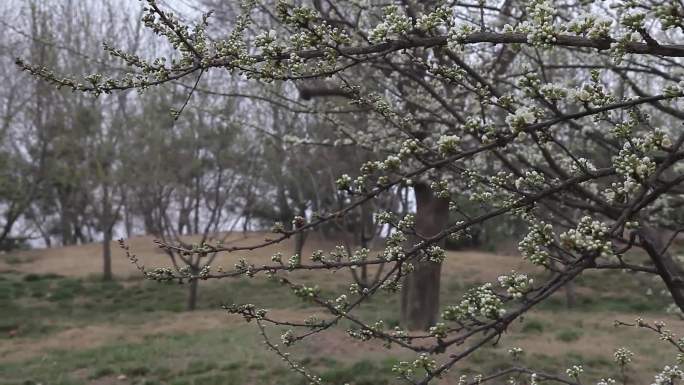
(64, 328)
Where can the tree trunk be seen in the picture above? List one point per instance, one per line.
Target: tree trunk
(300, 237)
(127, 218)
(107, 255)
(192, 294)
(285, 213)
(420, 289)
(198, 198)
(570, 295)
(654, 242)
(568, 289)
(367, 232)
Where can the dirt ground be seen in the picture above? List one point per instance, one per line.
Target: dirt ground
(85, 260)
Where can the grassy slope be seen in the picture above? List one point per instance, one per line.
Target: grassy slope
(60, 325)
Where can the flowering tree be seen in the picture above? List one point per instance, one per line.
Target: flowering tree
(564, 116)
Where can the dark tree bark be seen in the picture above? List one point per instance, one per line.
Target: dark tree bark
(364, 235)
(106, 220)
(192, 294)
(570, 295)
(107, 255)
(670, 271)
(420, 289)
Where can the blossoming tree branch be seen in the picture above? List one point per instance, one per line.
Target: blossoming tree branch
(563, 115)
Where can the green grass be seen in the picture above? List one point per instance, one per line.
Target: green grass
(192, 357)
(568, 335)
(25, 300)
(533, 326)
(230, 356)
(39, 305)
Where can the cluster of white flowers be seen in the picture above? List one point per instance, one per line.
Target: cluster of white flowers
(337, 254)
(553, 91)
(589, 236)
(591, 25)
(440, 188)
(529, 83)
(631, 165)
(540, 28)
(306, 292)
(669, 15)
(407, 222)
(623, 356)
(457, 36)
(522, 117)
(531, 179)
(204, 272)
(428, 22)
(248, 311)
(424, 361)
(317, 256)
(396, 238)
(448, 144)
(632, 162)
(435, 254)
(355, 288)
(606, 381)
(618, 192)
(341, 303)
(618, 48)
(359, 256)
(516, 352)
(477, 302)
(394, 23)
(592, 93)
(516, 284)
(624, 130)
(160, 274)
(403, 369)
(244, 267)
(633, 20)
(383, 217)
(344, 182)
(393, 253)
(440, 330)
(502, 178)
(533, 379)
(288, 338)
(392, 286)
(673, 90)
(668, 376)
(367, 333)
(268, 43)
(581, 166)
(574, 371)
(655, 139)
(294, 261)
(533, 245)
(408, 147)
(407, 369)
(399, 333)
(368, 168)
(392, 162)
